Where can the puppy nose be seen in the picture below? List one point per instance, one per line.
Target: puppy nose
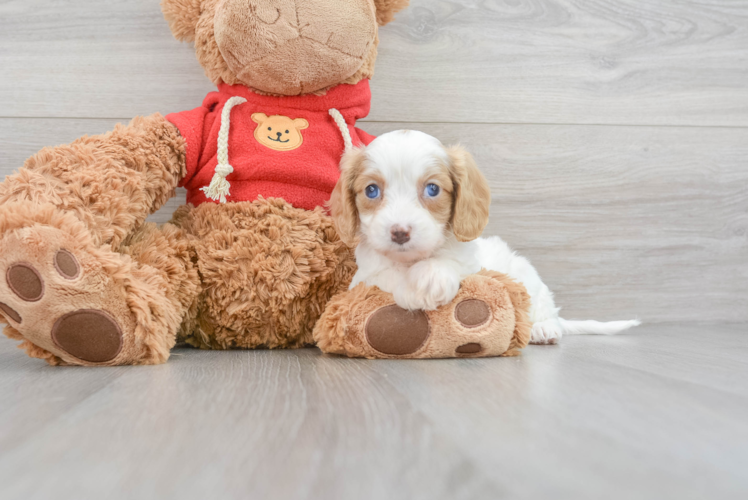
(400, 235)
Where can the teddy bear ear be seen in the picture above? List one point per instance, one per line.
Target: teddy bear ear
(259, 118)
(182, 16)
(386, 9)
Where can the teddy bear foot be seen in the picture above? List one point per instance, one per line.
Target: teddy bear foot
(486, 318)
(68, 301)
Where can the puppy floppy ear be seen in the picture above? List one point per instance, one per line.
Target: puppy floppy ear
(343, 200)
(386, 9)
(472, 197)
(182, 16)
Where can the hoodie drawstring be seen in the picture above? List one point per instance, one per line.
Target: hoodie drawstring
(343, 126)
(219, 187)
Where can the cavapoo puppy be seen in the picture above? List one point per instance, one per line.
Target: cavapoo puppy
(415, 209)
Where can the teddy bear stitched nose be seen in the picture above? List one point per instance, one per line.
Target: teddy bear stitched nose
(278, 134)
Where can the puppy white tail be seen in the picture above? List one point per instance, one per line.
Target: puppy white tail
(591, 327)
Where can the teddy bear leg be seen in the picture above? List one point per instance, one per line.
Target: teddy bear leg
(72, 302)
(488, 317)
(109, 182)
(65, 288)
(267, 269)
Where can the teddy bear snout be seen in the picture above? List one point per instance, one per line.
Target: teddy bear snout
(288, 47)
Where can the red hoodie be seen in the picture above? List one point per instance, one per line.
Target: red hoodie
(282, 147)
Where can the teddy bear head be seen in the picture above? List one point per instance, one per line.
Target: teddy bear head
(283, 47)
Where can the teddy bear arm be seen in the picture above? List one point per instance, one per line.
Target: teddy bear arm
(488, 317)
(110, 182)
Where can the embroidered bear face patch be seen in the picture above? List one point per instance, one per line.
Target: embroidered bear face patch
(279, 132)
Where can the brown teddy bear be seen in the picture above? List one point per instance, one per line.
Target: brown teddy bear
(253, 259)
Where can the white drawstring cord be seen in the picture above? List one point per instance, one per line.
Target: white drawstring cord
(343, 126)
(219, 187)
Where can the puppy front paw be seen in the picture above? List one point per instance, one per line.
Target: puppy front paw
(431, 285)
(406, 298)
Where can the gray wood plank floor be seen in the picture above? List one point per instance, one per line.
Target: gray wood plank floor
(615, 138)
(658, 413)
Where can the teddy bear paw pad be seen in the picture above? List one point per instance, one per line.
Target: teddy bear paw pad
(67, 265)
(469, 348)
(25, 282)
(395, 331)
(88, 335)
(10, 313)
(472, 313)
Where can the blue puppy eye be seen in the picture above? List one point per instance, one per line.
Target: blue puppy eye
(432, 190)
(372, 191)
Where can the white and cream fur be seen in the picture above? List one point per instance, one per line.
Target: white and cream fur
(419, 247)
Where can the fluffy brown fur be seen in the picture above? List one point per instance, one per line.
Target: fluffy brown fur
(285, 264)
(110, 182)
(386, 9)
(182, 16)
(342, 328)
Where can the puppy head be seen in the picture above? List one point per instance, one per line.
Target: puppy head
(405, 193)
